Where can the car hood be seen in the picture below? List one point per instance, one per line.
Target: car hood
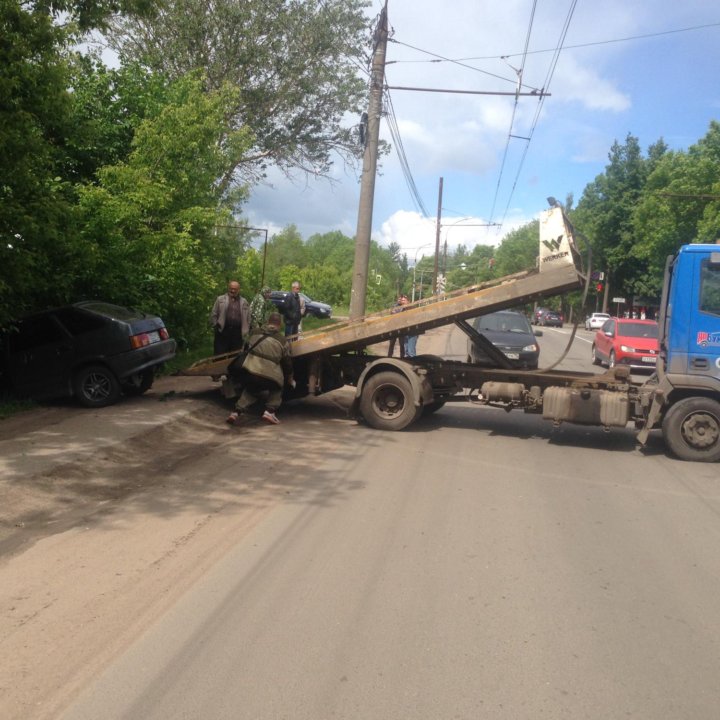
(639, 343)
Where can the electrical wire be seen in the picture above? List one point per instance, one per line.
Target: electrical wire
(402, 157)
(441, 58)
(541, 101)
(519, 73)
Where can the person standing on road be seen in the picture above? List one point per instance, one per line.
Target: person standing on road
(402, 301)
(265, 371)
(260, 308)
(293, 310)
(230, 319)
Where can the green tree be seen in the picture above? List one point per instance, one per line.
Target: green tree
(295, 64)
(518, 250)
(151, 221)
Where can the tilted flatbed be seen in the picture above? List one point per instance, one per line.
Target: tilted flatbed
(558, 271)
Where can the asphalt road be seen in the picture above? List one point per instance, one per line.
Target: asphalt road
(479, 565)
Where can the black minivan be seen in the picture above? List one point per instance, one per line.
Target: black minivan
(509, 332)
(94, 351)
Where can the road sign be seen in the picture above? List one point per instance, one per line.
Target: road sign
(618, 300)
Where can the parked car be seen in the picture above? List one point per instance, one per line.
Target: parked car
(596, 321)
(626, 342)
(550, 318)
(511, 333)
(312, 307)
(94, 351)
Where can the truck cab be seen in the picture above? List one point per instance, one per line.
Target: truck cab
(690, 325)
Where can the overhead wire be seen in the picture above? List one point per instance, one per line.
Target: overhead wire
(519, 73)
(541, 101)
(402, 157)
(629, 38)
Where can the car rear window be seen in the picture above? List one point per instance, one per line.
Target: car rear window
(113, 311)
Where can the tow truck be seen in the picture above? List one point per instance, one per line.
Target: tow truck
(682, 397)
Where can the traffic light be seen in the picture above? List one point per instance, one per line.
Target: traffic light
(599, 287)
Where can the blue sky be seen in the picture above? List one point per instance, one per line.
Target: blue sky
(663, 83)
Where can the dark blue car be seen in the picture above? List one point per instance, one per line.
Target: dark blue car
(94, 351)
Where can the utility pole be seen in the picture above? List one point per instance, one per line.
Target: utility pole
(367, 184)
(437, 237)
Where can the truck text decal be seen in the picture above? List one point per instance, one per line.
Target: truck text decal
(705, 339)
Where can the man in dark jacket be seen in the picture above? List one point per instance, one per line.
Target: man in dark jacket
(293, 310)
(267, 368)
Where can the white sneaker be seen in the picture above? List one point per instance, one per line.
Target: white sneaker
(270, 417)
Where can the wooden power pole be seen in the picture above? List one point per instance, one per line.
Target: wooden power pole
(367, 184)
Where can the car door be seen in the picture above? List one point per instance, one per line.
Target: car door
(603, 342)
(39, 357)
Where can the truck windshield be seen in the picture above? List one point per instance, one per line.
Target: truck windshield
(710, 289)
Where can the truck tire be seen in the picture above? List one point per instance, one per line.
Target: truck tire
(96, 386)
(691, 429)
(387, 402)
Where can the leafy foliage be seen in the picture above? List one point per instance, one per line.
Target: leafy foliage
(295, 64)
(151, 220)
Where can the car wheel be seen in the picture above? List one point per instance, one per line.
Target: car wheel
(387, 401)
(611, 360)
(139, 383)
(691, 429)
(96, 386)
(595, 358)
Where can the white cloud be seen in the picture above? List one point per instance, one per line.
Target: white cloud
(599, 93)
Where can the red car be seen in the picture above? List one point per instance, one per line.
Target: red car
(623, 341)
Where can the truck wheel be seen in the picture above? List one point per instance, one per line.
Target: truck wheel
(691, 429)
(96, 386)
(595, 358)
(387, 402)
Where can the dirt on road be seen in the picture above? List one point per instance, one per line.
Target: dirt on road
(107, 516)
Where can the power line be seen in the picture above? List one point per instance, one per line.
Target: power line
(402, 157)
(630, 38)
(519, 71)
(457, 62)
(548, 79)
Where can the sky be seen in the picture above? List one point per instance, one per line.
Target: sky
(648, 69)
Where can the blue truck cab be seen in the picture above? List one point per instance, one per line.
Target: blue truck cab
(686, 388)
(690, 329)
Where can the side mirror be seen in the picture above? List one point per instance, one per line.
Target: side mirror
(537, 333)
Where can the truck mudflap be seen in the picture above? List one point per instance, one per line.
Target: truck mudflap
(391, 394)
(586, 406)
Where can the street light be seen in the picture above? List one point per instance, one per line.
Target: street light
(253, 229)
(417, 250)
